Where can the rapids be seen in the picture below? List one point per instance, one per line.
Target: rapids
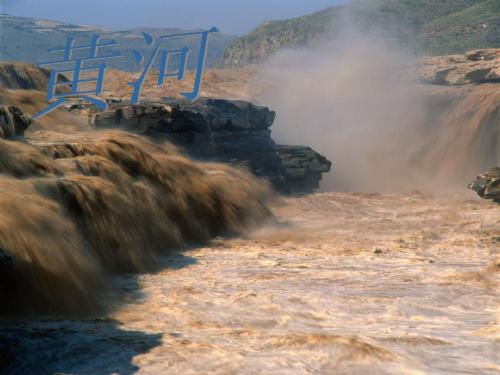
(73, 213)
(347, 283)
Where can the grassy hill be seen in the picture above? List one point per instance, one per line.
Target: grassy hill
(430, 26)
(272, 36)
(476, 26)
(442, 26)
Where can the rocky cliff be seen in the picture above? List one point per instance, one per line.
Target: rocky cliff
(273, 36)
(229, 131)
(434, 27)
(235, 132)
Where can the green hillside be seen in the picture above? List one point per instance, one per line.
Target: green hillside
(272, 36)
(429, 26)
(477, 26)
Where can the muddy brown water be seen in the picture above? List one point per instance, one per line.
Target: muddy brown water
(349, 284)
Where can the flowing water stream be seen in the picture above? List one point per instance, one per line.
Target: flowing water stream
(346, 283)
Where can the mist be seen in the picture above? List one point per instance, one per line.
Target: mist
(347, 99)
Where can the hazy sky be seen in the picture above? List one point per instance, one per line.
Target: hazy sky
(231, 16)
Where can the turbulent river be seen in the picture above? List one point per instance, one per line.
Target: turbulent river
(346, 283)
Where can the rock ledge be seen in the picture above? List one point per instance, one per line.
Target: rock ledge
(228, 131)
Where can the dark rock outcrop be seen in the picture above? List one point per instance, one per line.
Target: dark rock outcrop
(235, 132)
(303, 166)
(487, 185)
(12, 121)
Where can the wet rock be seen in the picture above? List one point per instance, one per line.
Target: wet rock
(12, 121)
(204, 115)
(228, 131)
(304, 167)
(133, 117)
(487, 185)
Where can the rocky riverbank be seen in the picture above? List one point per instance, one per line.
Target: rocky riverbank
(228, 131)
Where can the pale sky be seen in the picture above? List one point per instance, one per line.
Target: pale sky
(230, 16)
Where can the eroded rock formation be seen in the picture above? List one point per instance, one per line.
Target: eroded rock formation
(235, 132)
(477, 66)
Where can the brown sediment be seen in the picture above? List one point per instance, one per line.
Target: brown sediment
(494, 267)
(290, 299)
(415, 340)
(71, 213)
(359, 347)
